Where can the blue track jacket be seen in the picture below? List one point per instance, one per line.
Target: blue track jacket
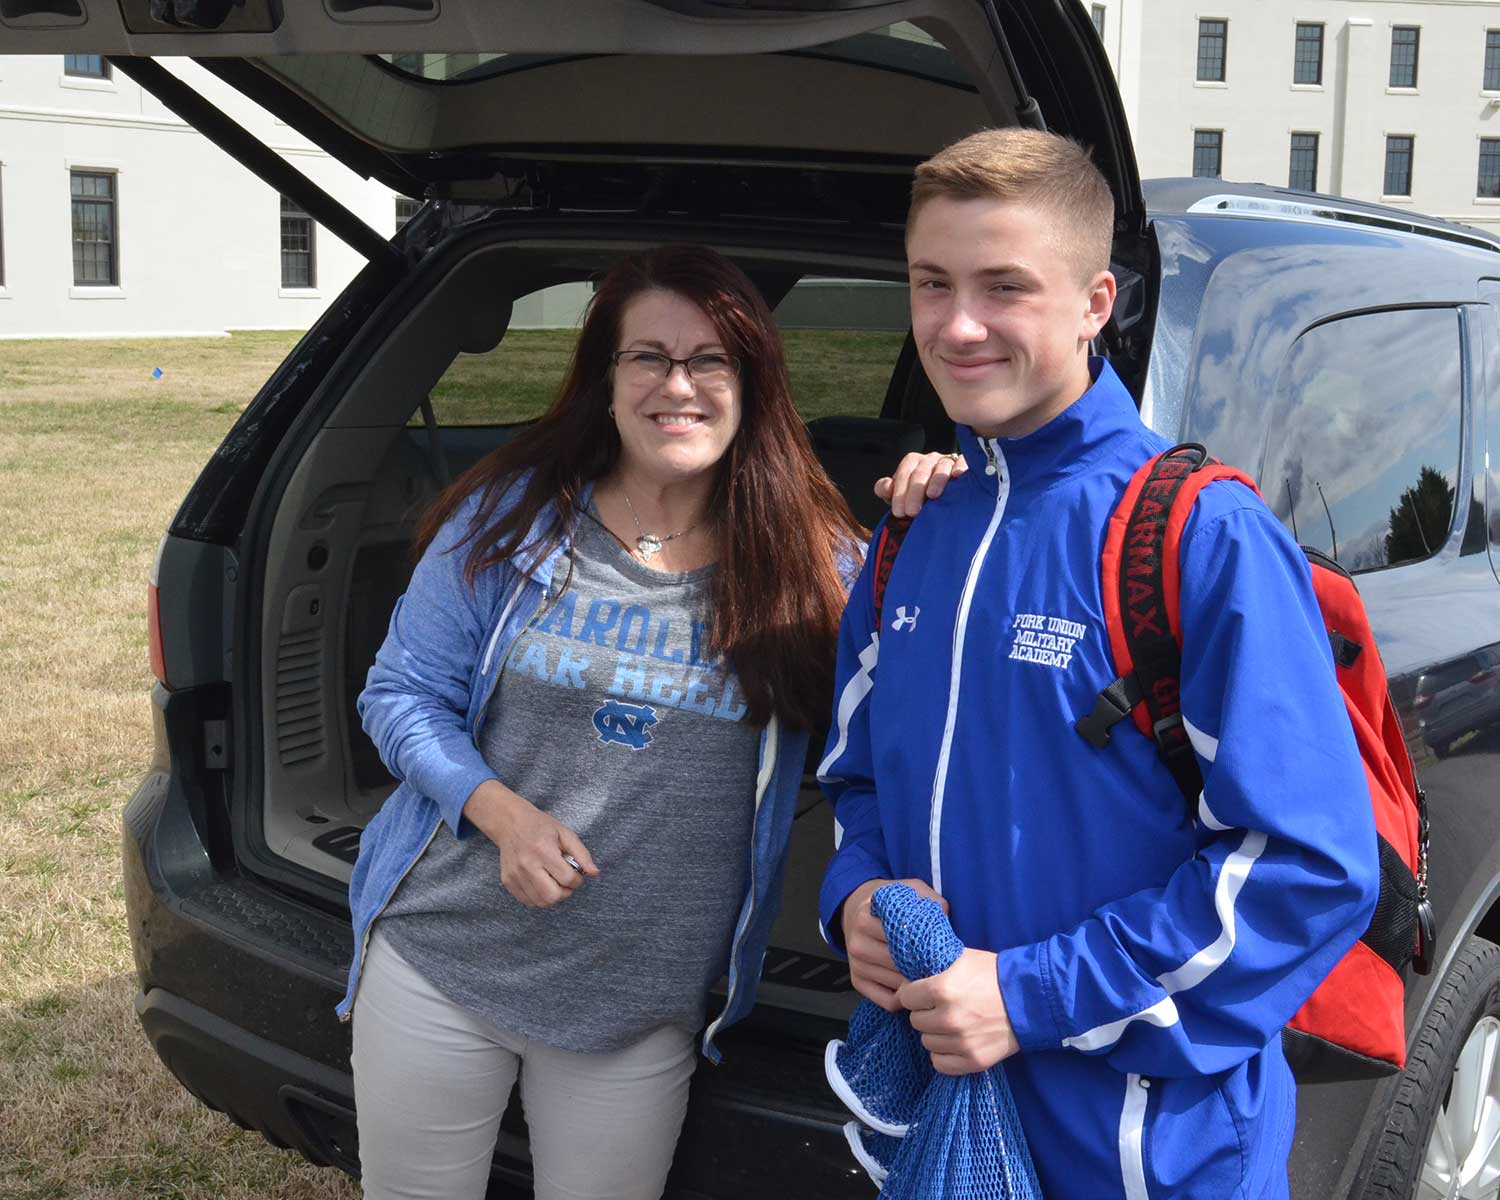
(1148, 960)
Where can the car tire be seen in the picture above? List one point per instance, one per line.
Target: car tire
(1447, 1106)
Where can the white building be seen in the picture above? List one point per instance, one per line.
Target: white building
(117, 218)
(1392, 101)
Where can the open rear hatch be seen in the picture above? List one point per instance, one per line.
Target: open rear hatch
(504, 99)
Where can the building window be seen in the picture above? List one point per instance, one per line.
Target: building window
(1213, 37)
(1307, 65)
(299, 267)
(1492, 60)
(1404, 56)
(1398, 166)
(86, 66)
(96, 258)
(1208, 153)
(1304, 169)
(1097, 12)
(1489, 167)
(406, 209)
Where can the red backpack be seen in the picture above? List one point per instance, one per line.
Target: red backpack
(1353, 1025)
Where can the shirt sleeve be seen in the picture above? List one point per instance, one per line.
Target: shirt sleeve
(1197, 975)
(847, 771)
(416, 697)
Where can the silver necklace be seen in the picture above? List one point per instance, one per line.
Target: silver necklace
(650, 544)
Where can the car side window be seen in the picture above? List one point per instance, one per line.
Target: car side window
(842, 339)
(519, 378)
(1362, 457)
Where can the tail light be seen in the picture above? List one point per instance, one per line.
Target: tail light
(153, 620)
(1481, 676)
(1422, 701)
(153, 634)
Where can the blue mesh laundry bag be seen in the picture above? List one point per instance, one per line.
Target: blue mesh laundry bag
(880, 1070)
(962, 1139)
(875, 1152)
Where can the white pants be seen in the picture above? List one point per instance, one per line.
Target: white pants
(431, 1082)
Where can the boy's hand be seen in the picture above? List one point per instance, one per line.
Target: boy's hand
(918, 479)
(871, 970)
(961, 1015)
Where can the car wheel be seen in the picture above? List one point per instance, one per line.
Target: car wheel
(1442, 1138)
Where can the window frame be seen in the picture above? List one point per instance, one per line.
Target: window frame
(1099, 14)
(1490, 80)
(1292, 159)
(290, 210)
(1217, 147)
(1411, 155)
(1416, 57)
(71, 70)
(1223, 51)
(1490, 145)
(112, 205)
(1297, 60)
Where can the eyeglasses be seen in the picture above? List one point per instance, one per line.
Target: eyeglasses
(707, 369)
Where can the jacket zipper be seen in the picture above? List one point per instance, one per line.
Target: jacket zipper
(996, 467)
(364, 945)
(762, 785)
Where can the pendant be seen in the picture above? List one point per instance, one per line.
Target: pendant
(649, 545)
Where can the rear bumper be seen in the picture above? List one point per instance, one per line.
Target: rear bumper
(238, 985)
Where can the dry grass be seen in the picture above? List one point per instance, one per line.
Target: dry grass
(95, 455)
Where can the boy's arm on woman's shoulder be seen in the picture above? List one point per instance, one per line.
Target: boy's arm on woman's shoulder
(1195, 976)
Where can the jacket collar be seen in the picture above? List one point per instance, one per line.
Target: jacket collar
(1064, 445)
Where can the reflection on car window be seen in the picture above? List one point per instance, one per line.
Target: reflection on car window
(901, 46)
(1363, 450)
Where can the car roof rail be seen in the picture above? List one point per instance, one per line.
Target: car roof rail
(1309, 209)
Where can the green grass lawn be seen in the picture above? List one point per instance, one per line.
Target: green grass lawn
(96, 452)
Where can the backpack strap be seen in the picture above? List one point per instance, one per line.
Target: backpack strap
(1140, 571)
(887, 546)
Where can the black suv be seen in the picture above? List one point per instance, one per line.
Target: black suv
(1346, 355)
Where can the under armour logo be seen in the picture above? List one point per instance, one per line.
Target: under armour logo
(902, 621)
(625, 724)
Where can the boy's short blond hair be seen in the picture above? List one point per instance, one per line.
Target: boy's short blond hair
(1026, 166)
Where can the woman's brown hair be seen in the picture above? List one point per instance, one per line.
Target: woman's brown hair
(778, 520)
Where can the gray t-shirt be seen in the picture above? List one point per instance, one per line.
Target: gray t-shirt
(608, 717)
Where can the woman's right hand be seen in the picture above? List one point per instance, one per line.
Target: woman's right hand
(532, 846)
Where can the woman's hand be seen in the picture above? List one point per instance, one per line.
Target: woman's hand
(918, 479)
(534, 848)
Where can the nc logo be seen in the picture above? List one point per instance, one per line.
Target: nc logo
(625, 724)
(902, 621)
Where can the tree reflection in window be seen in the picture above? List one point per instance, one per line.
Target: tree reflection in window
(1363, 449)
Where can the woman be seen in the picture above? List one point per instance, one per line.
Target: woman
(596, 693)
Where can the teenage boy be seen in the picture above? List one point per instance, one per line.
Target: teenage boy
(1130, 963)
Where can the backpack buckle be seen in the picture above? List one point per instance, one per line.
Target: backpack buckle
(1111, 706)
